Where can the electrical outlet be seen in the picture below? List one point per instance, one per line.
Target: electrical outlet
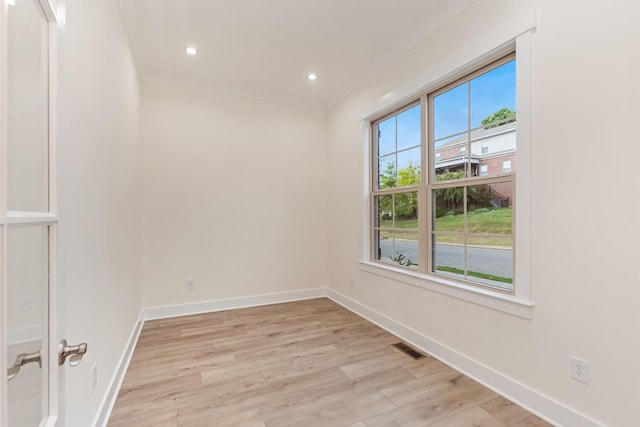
(94, 375)
(579, 369)
(191, 284)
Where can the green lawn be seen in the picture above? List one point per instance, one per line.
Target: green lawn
(495, 221)
(475, 274)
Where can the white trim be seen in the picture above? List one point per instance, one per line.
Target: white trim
(532, 400)
(496, 300)
(48, 9)
(28, 218)
(230, 303)
(523, 201)
(109, 399)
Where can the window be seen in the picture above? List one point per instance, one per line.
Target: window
(398, 166)
(440, 217)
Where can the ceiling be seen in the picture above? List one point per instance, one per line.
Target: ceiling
(266, 48)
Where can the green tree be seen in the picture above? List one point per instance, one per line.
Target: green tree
(409, 176)
(450, 198)
(478, 196)
(388, 176)
(499, 118)
(406, 204)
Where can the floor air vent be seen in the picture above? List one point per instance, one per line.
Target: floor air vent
(408, 350)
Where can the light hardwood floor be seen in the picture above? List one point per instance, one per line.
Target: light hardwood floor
(305, 363)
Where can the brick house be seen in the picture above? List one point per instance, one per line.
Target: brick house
(492, 152)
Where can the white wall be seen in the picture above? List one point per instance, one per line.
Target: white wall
(585, 280)
(234, 196)
(99, 187)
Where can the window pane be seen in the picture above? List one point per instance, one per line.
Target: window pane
(451, 155)
(409, 128)
(397, 247)
(490, 260)
(448, 203)
(409, 167)
(396, 230)
(493, 92)
(448, 258)
(387, 172)
(405, 248)
(451, 111)
(387, 136)
(27, 320)
(405, 208)
(495, 149)
(384, 208)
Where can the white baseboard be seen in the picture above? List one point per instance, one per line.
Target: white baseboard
(535, 402)
(231, 303)
(109, 399)
(102, 417)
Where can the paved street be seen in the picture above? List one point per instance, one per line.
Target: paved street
(494, 261)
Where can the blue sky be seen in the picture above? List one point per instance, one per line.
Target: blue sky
(482, 96)
(473, 100)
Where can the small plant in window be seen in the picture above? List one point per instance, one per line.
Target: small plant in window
(401, 259)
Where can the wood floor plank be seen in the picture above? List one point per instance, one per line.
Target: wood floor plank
(474, 417)
(305, 363)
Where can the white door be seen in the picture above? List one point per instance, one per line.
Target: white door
(31, 393)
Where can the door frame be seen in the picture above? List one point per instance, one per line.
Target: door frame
(49, 218)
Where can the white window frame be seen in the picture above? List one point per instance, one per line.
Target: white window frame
(505, 168)
(484, 170)
(518, 303)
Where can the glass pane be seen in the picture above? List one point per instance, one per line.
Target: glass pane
(490, 260)
(448, 258)
(495, 150)
(451, 155)
(405, 209)
(501, 194)
(27, 98)
(384, 208)
(409, 128)
(384, 245)
(387, 172)
(493, 96)
(451, 111)
(409, 167)
(405, 248)
(448, 204)
(27, 322)
(387, 136)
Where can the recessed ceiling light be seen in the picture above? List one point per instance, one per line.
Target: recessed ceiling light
(191, 51)
(312, 76)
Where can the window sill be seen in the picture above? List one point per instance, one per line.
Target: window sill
(492, 299)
